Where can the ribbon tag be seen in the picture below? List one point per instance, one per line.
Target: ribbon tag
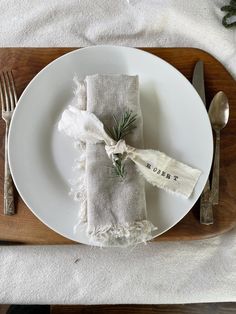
(156, 167)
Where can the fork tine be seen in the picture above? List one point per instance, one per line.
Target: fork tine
(9, 91)
(5, 92)
(1, 94)
(10, 75)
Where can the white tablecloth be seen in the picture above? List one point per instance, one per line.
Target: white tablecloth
(178, 272)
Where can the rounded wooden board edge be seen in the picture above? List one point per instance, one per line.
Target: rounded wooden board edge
(197, 53)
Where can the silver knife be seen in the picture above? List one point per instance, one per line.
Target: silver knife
(206, 212)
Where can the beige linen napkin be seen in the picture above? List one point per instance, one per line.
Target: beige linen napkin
(115, 209)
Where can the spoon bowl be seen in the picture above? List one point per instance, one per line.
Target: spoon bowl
(219, 111)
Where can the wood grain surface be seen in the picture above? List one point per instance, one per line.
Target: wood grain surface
(25, 228)
(197, 308)
(205, 308)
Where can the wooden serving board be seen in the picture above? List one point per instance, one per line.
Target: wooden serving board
(25, 228)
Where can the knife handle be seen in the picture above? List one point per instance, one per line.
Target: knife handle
(206, 212)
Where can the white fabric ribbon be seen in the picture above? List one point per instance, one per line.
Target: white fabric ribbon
(156, 167)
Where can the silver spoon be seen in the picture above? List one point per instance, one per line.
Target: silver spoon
(219, 116)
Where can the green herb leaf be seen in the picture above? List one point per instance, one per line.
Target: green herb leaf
(121, 128)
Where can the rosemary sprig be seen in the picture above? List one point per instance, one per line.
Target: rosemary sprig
(119, 167)
(121, 128)
(124, 125)
(231, 9)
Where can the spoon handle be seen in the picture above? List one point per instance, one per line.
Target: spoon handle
(216, 171)
(206, 212)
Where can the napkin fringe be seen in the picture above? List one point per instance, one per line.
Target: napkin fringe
(123, 234)
(78, 189)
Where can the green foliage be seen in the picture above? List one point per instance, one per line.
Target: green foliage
(231, 9)
(122, 127)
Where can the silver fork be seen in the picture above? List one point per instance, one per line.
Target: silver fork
(8, 100)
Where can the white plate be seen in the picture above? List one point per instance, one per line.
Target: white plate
(175, 122)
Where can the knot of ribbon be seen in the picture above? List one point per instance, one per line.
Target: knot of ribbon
(156, 167)
(119, 148)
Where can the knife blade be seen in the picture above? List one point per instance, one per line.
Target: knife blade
(206, 212)
(198, 80)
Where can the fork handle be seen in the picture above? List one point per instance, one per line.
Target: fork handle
(9, 205)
